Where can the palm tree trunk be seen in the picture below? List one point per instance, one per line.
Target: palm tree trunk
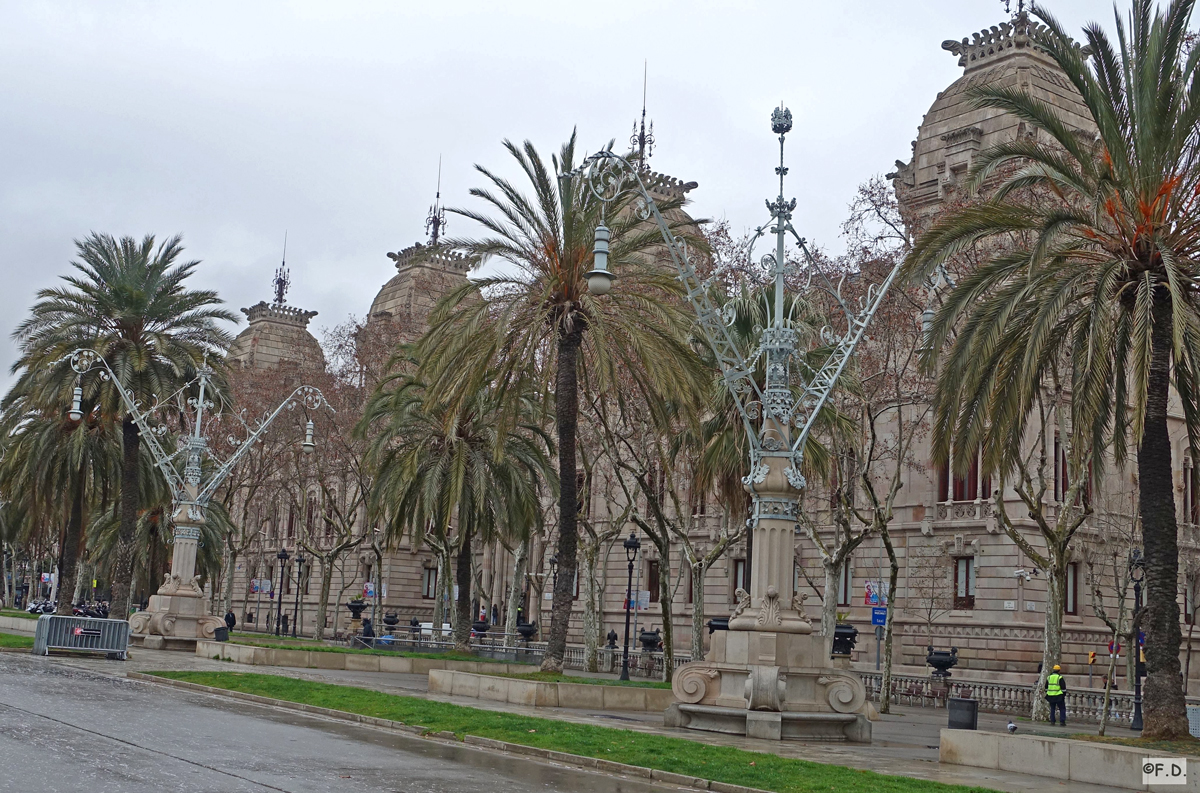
(1166, 709)
(462, 606)
(566, 401)
(122, 568)
(69, 553)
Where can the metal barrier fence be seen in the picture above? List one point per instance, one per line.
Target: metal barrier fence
(83, 634)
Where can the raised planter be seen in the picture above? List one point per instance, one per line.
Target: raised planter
(548, 695)
(1055, 758)
(354, 662)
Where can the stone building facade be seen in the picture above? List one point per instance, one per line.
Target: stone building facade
(946, 532)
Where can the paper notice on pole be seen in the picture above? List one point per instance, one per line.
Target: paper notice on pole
(643, 600)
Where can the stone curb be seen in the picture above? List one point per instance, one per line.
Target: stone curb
(579, 761)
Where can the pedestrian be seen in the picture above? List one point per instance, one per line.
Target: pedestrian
(1056, 694)
(230, 620)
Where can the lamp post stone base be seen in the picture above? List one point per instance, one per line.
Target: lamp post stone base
(772, 685)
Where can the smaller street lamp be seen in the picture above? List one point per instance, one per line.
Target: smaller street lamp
(76, 412)
(282, 556)
(599, 279)
(308, 444)
(1137, 573)
(632, 545)
(301, 560)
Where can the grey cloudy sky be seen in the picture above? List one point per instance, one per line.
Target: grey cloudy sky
(231, 122)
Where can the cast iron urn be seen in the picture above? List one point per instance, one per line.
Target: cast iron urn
(357, 607)
(480, 627)
(650, 640)
(942, 661)
(391, 621)
(844, 638)
(527, 630)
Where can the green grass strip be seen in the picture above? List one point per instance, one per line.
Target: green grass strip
(25, 615)
(674, 755)
(13, 640)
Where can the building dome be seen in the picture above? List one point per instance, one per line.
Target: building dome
(954, 129)
(277, 333)
(423, 274)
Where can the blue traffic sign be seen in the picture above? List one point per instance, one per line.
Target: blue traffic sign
(879, 616)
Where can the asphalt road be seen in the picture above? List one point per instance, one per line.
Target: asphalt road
(64, 729)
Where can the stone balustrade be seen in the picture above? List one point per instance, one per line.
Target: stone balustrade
(1083, 705)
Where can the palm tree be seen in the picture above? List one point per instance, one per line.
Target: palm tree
(47, 456)
(452, 472)
(532, 327)
(129, 302)
(1093, 265)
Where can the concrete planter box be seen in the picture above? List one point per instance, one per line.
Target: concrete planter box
(352, 662)
(17, 624)
(1056, 758)
(548, 695)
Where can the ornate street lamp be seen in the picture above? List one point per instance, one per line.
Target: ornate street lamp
(301, 560)
(768, 629)
(179, 610)
(1137, 574)
(632, 546)
(282, 556)
(777, 423)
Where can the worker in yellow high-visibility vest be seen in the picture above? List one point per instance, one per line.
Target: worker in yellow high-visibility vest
(1056, 694)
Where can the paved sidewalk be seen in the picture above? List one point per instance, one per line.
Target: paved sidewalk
(905, 742)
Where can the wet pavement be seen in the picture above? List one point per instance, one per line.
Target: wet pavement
(905, 743)
(64, 729)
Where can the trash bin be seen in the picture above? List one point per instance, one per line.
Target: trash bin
(221, 634)
(964, 713)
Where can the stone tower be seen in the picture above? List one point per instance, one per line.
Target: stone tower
(424, 273)
(277, 333)
(954, 129)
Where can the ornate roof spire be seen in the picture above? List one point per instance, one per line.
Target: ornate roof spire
(1020, 8)
(282, 278)
(642, 140)
(435, 223)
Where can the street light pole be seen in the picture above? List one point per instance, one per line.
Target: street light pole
(778, 414)
(1137, 572)
(300, 560)
(179, 610)
(631, 549)
(282, 556)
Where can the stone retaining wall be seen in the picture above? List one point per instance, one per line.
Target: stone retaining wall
(549, 695)
(1056, 758)
(18, 624)
(355, 662)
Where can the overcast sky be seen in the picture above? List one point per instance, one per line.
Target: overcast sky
(233, 122)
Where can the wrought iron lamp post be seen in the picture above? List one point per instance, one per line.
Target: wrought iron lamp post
(632, 546)
(301, 560)
(1137, 574)
(282, 556)
(180, 610)
(777, 423)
